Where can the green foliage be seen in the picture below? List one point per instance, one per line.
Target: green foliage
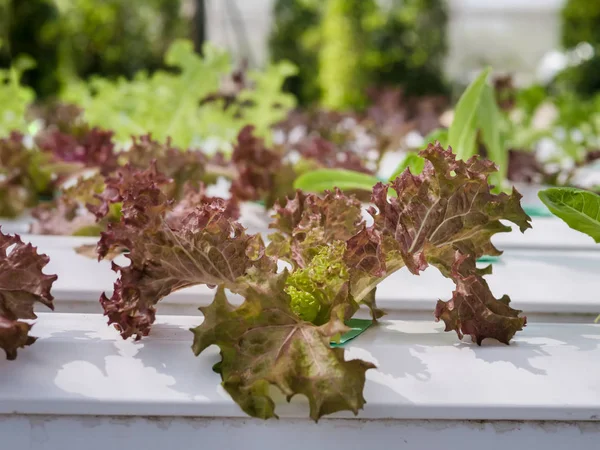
(581, 20)
(29, 28)
(116, 37)
(324, 179)
(440, 135)
(14, 97)
(581, 23)
(530, 98)
(79, 38)
(462, 134)
(413, 162)
(408, 46)
(579, 209)
(266, 103)
(477, 116)
(168, 104)
(572, 122)
(313, 288)
(295, 37)
(490, 121)
(580, 120)
(342, 75)
(401, 43)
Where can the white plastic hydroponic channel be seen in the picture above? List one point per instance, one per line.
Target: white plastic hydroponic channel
(547, 285)
(81, 386)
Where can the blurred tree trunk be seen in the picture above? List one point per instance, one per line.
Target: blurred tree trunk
(199, 27)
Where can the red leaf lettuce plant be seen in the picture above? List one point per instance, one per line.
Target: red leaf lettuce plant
(280, 335)
(85, 208)
(22, 284)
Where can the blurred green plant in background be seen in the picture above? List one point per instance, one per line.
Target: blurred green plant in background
(342, 65)
(116, 37)
(341, 47)
(295, 37)
(30, 28)
(79, 38)
(408, 46)
(394, 43)
(15, 98)
(581, 24)
(174, 104)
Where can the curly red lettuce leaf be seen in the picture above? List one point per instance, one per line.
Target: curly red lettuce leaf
(22, 284)
(181, 166)
(473, 310)
(127, 182)
(64, 117)
(313, 234)
(318, 152)
(264, 343)
(394, 114)
(207, 247)
(448, 207)
(19, 187)
(202, 247)
(344, 130)
(87, 207)
(68, 214)
(92, 148)
(359, 141)
(328, 139)
(261, 172)
(308, 221)
(195, 197)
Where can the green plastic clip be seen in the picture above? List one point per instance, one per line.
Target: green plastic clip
(537, 211)
(358, 326)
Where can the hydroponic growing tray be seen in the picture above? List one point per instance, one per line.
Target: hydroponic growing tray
(547, 285)
(82, 379)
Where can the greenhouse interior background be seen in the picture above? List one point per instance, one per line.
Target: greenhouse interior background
(531, 40)
(218, 210)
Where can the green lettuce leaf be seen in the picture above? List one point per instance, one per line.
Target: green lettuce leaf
(321, 180)
(462, 134)
(172, 104)
(323, 284)
(412, 161)
(15, 98)
(578, 208)
(267, 103)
